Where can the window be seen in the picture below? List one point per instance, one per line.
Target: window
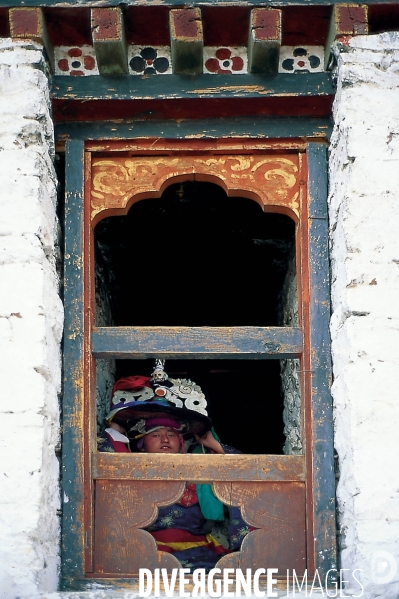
(195, 257)
(252, 190)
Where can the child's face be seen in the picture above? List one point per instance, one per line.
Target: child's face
(163, 440)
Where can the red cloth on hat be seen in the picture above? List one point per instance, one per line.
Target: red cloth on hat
(131, 383)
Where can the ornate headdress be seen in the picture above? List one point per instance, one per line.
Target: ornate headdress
(140, 397)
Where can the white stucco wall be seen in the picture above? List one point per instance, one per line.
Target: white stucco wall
(364, 221)
(30, 328)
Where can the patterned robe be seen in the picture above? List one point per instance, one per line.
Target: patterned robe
(182, 530)
(111, 442)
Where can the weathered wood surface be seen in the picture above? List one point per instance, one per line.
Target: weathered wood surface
(198, 342)
(179, 109)
(264, 40)
(322, 458)
(109, 41)
(121, 509)
(347, 20)
(271, 3)
(73, 541)
(186, 41)
(198, 146)
(198, 468)
(286, 471)
(204, 86)
(271, 180)
(259, 128)
(131, 583)
(277, 510)
(30, 23)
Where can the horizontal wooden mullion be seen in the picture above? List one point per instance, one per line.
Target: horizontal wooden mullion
(198, 468)
(197, 342)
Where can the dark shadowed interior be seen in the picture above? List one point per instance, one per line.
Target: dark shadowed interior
(195, 257)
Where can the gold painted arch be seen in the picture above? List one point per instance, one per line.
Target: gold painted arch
(273, 181)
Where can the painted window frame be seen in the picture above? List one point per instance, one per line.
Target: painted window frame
(77, 534)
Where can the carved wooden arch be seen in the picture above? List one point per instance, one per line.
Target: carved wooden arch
(272, 180)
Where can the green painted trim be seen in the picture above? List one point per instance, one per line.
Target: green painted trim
(197, 342)
(172, 87)
(175, 3)
(320, 364)
(72, 548)
(252, 128)
(111, 57)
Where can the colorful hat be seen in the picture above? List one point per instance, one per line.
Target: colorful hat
(139, 398)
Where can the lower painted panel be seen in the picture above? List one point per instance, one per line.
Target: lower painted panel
(123, 508)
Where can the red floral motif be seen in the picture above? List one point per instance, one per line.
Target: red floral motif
(76, 62)
(224, 62)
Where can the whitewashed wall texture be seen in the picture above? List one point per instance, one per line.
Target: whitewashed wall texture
(364, 218)
(31, 319)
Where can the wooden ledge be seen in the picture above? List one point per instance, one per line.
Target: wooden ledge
(172, 87)
(198, 468)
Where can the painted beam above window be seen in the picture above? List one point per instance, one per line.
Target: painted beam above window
(231, 37)
(178, 3)
(204, 86)
(210, 129)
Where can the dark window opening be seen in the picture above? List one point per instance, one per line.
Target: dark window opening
(194, 257)
(244, 397)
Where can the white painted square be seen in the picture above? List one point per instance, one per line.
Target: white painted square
(301, 58)
(75, 61)
(225, 60)
(149, 60)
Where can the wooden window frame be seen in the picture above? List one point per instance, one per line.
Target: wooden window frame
(82, 344)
